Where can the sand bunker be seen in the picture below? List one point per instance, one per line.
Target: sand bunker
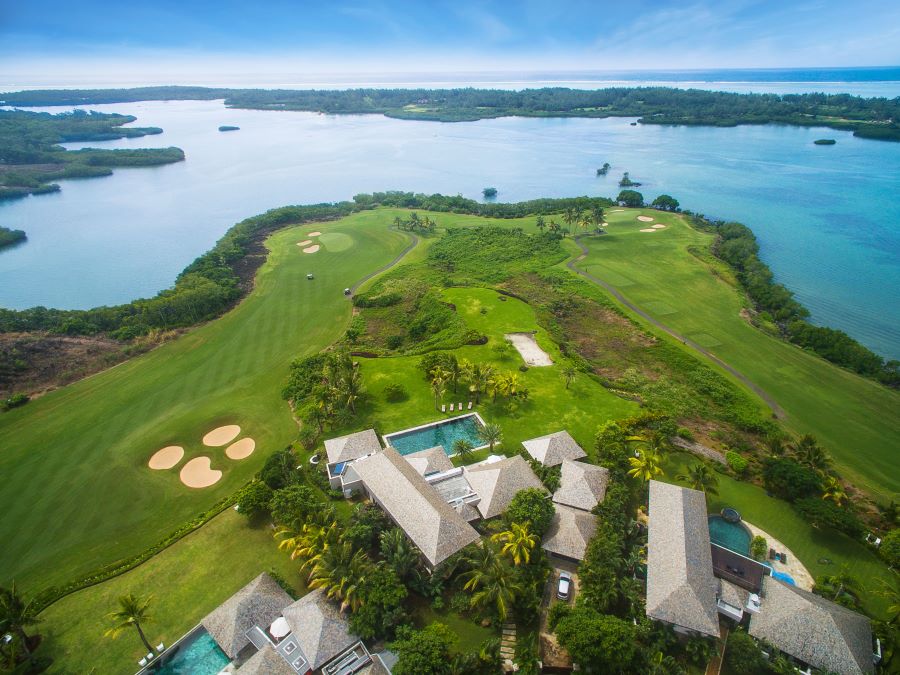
(618, 211)
(645, 219)
(658, 226)
(314, 234)
(528, 347)
(242, 449)
(304, 243)
(198, 474)
(166, 458)
(648, 229)
(311, 249)
(221, 435)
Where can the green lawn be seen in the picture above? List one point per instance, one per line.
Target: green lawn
(809, 544)
(187, 581)
(469, 635)
(76, 491)
(550, 406)
(857, 420)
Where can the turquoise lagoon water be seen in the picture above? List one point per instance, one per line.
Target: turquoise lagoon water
(444, 433)
(827, 217)
(732, 536)
(198, 655)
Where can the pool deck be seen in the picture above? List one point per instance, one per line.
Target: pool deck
(801, 576)
(449, 420)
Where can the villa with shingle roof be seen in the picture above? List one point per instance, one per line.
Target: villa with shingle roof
(681, 588)
(352, 446)
(266, 662)
(581, 485)
(813, 630)
(321, 630)
(432, 460)
(258, 603)
(570, 532)
(552, 449)
(497, 482)
(434, 526)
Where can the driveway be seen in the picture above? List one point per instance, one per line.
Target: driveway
(552, 655)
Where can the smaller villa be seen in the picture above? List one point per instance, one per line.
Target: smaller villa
(344, 450)
(553, 449)
(497, 482)
(581, 487)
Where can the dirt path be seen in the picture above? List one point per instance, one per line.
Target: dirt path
(412, 245)
(572, 265)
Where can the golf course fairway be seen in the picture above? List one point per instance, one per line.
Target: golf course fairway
(77, 491)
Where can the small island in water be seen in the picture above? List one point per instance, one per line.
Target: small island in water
(825, 141)
(226, 127)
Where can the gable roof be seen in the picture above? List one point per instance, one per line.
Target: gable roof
(581, 485)
(432, 460)
(430, 522)
(813, 629)
(352, 446)
(552, 449)
(681, 589)
(266, 662)
(570, 532)
(258, 603)
(498, 482)
(319, 628)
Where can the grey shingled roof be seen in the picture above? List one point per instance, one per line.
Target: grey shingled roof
(813, 629)
(570, 532)
(732, 594)
(266, 662)
(430, 522)
(352, 446)
(552, 449)
(319, 627)
(498, 482)
(258, 603)
(581, 485)
(681, 589)
(432, 460)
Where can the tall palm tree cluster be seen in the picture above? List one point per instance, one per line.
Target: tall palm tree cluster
(414, 223)
(574, 217)
(480, 379)
(337, 392)
(810, 454)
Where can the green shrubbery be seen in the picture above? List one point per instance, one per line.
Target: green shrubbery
(788, 479)
(737, 462)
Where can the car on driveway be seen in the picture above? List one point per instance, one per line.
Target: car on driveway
(563, 587)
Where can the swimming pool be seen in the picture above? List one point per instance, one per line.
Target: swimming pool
(732, 536)
(197, 654)
(444, 433)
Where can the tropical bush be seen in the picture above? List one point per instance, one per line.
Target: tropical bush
(254, 499)
(786, 478)
(890, 548)
(737, 462)
(531, 506)
(759, 547)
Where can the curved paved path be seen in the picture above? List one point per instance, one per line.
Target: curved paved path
(402, 254)
(572, 265)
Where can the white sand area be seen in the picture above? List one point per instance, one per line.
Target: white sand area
(647, 229)
(301, 244)
(198, 473)
(645, 219)
(312, 249)
(618, 211)
(166, 458)
(242, 449)
(221, 435)
(528, 347)
(314, 234)
(658, 226)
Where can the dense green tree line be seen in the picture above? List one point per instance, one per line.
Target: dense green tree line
(738, 247)
(9, 237)
(868, 117)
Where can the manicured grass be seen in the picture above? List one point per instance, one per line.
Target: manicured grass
(550, 406)
(857, 420)
(469, 635)
(76, 491)
(187, 581)
(806, 542)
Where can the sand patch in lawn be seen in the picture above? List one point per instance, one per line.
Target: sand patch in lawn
(166, 457)
(221, 435)
(198, 473)
(242, 449)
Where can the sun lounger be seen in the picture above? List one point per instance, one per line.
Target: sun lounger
(161, 647)
(444, 408)
(772, 554)
(470, 405)
(142, 662)
(460, 406)
(784, 558)
(451, 407)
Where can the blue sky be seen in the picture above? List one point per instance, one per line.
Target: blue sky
(438, 35)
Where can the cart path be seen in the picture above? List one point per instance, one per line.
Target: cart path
(402, 254)
(777, 410)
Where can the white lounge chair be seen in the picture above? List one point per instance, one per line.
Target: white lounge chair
(142, 662)
(149, 657)
(460, 406)
(161, 647)
(451, 407)
(470, 406)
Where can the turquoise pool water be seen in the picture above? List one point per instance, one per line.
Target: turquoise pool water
(199, 655)
(732, 536)
(443, 433)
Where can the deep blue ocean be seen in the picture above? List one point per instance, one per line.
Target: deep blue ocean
(827, 217)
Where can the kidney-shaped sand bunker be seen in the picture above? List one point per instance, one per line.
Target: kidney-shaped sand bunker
(198, 473)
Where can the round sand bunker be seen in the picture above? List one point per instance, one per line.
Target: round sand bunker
(221, 435)
(314, 234)
(304, 243)
(198, 473)
(242, 449)
(658, 226)
(312, 249)
(648, 229)
(166, 458)
(645, 219)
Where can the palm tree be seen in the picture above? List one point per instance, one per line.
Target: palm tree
(491, 434)
(398, 222)
(834, 491)
(311, 540)
(492, 583)
(399, 552)
(479, 376)
(16, 614)
(541, 223)
(700, 477)
(569, 373)
(340, 571)
(645, 466)
(132, 611)
(569, 216)
(808, 452)
(438, 389)
(454, 371)
(517, 542)
(462, 448)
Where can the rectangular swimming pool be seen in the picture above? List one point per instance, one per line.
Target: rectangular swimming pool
(197, 654)
(444, 433)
